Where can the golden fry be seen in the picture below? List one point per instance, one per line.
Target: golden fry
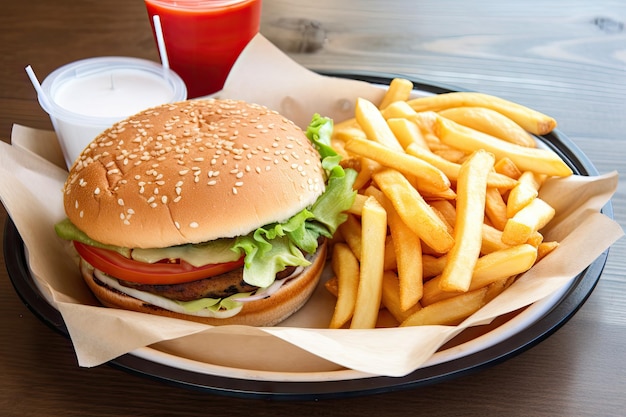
(524, 192)
(413, 210)
(490, 122)
(399, 90)
(351, 232)
(433, 179)
(528, 220)
(470, 209)
(451, 169)
(346, 268)
(407, 132)
(495, 208)
(391, 297)
(433, 265)
(529, 119)
(491, 240)
(450, 311)
(545, 248)
(408, 251)
(542, 161)
(489, 269)
(507, 167)
(374, 125)
(357, 205)
(369, 294)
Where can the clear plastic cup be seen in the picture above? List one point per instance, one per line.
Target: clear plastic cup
(86, 97)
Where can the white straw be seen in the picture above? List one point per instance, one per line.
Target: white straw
(35, 82)
(158, 30)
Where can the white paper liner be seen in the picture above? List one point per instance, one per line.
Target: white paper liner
(31, 178)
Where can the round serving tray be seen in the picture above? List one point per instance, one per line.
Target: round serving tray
(562, 310)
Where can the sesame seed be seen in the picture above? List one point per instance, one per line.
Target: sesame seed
(81, 214)
(164, 199)
(177, 225)
(212, 182)
(96, 191)
(120, 201)
(194, 225)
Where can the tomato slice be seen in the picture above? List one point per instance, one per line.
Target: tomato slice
(118, 266)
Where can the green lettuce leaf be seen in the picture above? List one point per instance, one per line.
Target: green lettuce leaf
(269, 249)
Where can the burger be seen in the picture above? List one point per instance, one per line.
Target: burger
(214, 210)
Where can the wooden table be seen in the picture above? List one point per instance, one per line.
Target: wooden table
(566, 58)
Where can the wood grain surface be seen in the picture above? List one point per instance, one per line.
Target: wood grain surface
(566, 58)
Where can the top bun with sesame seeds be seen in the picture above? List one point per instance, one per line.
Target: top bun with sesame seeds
(212, 210)
(190, 172)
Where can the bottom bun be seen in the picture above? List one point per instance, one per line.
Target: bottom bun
(259, 313)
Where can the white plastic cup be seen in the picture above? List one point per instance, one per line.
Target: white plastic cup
(86, 97)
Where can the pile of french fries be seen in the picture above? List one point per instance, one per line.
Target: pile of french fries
(447, 213)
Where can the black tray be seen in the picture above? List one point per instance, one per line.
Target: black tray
(563, 310)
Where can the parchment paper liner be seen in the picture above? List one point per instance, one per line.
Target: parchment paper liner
(32, 174)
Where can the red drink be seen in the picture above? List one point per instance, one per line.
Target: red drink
(203, 38)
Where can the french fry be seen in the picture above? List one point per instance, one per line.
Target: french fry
(495, 208)
(401, 110)
(507, 167)
(391, 297)
(470, 209)
(348, 133)
(433, 179)
(413, 210)
(351, 231)
(389, 262)
(374, 124)
(447, 211)
(490, 122)
(531, 120)
(408, 251)
(346, 268)
(450, 311)
(524, 192)
(369, 293)
(491, 240)
(407, 132)
(399, 90)
(365, 173)
(538, 160)
(433, 265)
(545, 248)
(535, 239)
(528, 220)
(332, 285)
(357, 205)
(489, 269)
(496, 288)
(451, 169)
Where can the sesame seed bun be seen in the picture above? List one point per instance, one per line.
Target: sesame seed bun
(191, 172)
(265, 312)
